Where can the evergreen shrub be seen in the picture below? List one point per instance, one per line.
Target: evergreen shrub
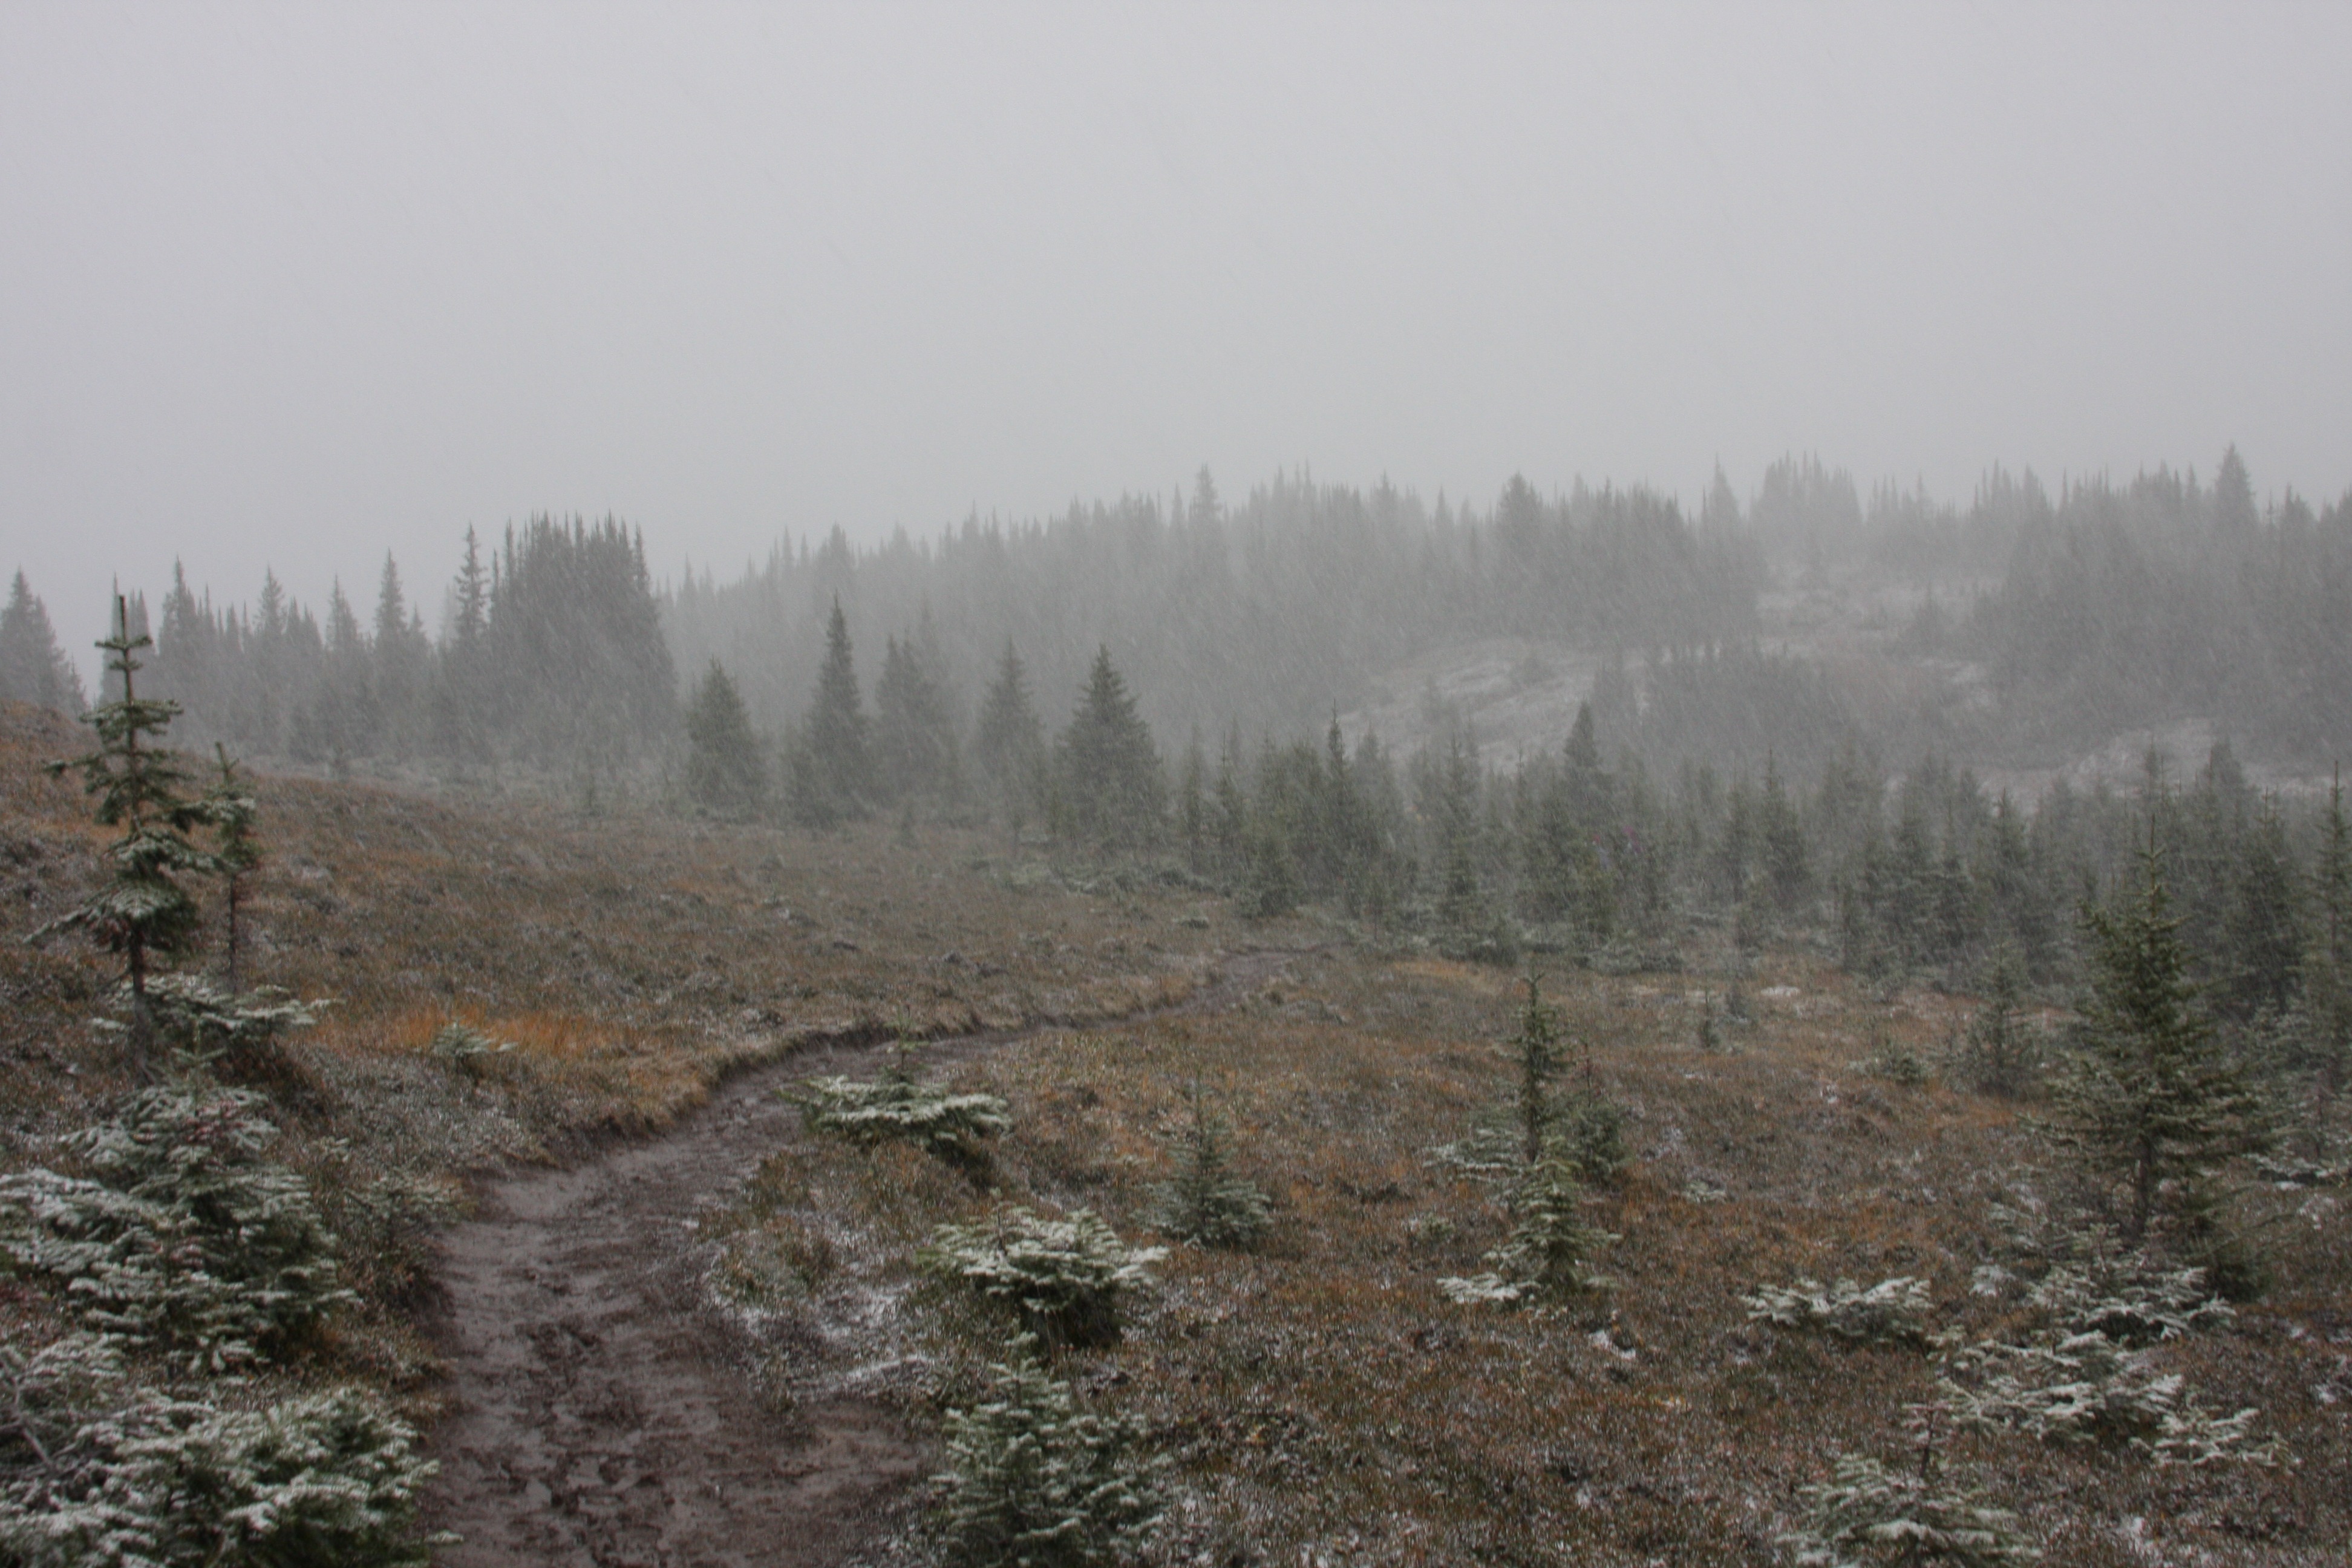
(97, 1471)
(1867, 1514)
(1063, 1277)
(1207, 1204)
(185, 1238)
(895, 1108)
(1892, 1311)
(1033, 1480)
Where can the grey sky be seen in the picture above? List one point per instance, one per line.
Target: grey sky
(295, 283)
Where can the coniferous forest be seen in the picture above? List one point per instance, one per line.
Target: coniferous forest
(1953, 898)
(1204, 681)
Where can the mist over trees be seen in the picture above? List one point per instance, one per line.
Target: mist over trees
(1263, 612)
(32, 667)
(1038, 676)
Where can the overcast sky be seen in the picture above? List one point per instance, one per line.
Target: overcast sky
(293, 284)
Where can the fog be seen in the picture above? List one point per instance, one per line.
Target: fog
(290, 286)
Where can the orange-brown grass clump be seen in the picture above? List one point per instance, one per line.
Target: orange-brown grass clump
(628, 959)
(1325, 1402)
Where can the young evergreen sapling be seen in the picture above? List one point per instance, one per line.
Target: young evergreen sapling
(141, 912)
(2149, 1101)
(1208, 1204)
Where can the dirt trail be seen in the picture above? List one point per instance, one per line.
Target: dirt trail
(597, 1417)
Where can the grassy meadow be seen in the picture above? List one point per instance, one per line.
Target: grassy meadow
(1317, 1399)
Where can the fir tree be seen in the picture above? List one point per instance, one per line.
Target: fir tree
(33, 668)
(833, 775)
(461, 696)
(1193, 803)
(2149, 1101)
(1783, 835)
(1207, 1204)
(2262, 938)
(1996, 1053)
(1009, 745)
(2327, 964)
(1535, 1051)
(723, 768)
(141, 912)
(1110, 772)
(231, 808)
(914, 731)
(1230, 815)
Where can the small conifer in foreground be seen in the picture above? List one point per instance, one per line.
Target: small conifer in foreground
(1207, 1204)
(143, 912)
(1034, 1481)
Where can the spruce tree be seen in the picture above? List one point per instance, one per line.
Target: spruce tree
(1009, 745)
(2149, 1101)
(914, 731)
(1997, 1054)
(2262, 958)
(33, 668)
(1535, 1049)
(832, 774)
(723, 768)
(141, 912)
(1193, 803)
(230, 807)
(1109, 771)
(2328, 965)
(1207, 1203)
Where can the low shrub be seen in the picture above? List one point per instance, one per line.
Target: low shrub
(466, 1049)
(1033, 1480)
(97, 1471)
(1207, 1204)
(185, 1238)
(2133, 1301)
(2087, 1376)
(1892, 1311)
(895, 1108)
(1063, 1277)
(1866, 1513)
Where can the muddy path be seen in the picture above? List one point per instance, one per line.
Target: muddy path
(598, 1414)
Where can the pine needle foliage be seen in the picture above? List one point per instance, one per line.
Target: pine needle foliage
(2149, 1101)
(95, 1470)
(1547, 1255)
(1063, 1278)
(1892, 1311)
(185, 1238)
(141, 912)
(1034, 1481)
(897, 1107)
(1207, 1204)
(1867, 1515)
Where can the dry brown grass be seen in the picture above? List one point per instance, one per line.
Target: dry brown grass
(631, 961)
(1327, 1403)
(1324, 1401)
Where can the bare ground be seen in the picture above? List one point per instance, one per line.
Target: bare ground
(599, 1414)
